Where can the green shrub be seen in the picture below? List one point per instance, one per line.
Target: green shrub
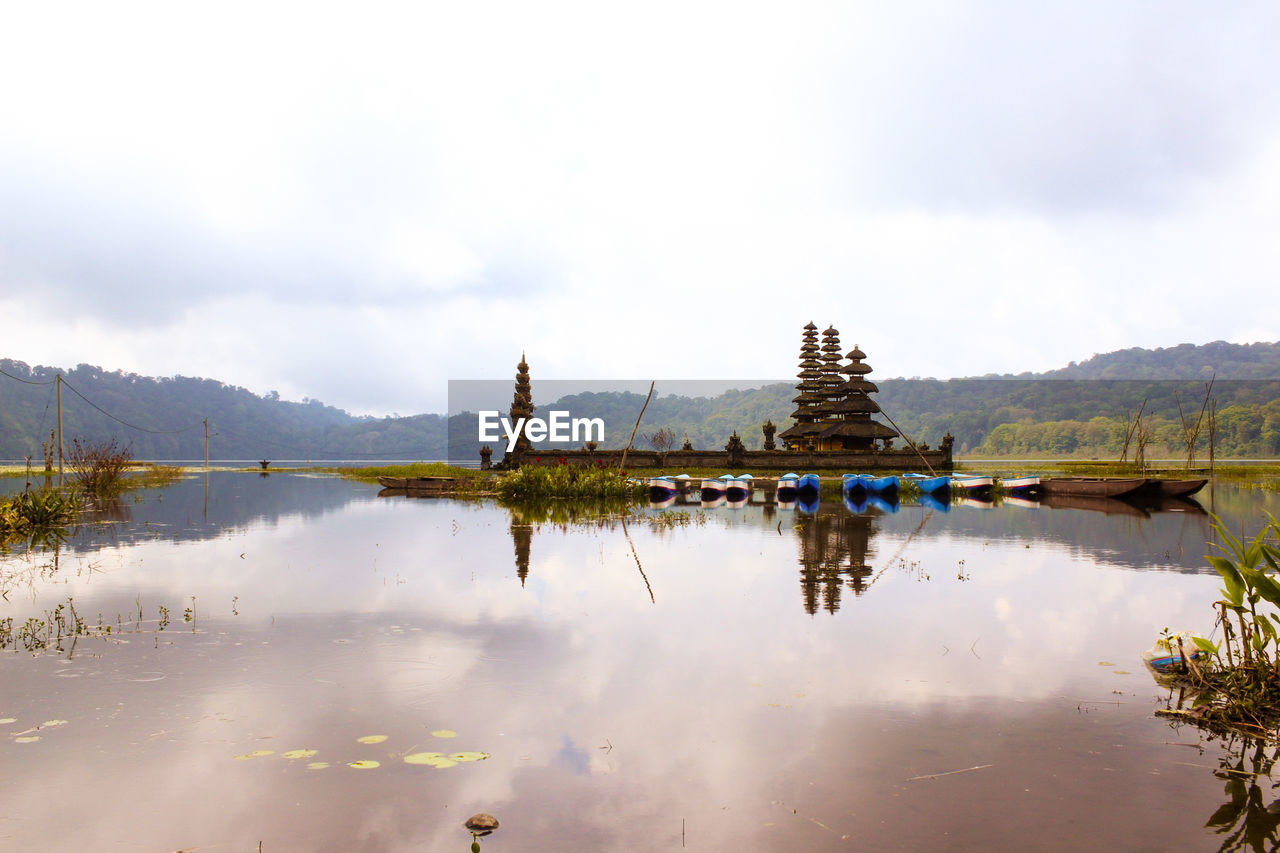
(568, 481)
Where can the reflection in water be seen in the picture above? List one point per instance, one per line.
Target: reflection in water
(1246, 820)
(834, 548)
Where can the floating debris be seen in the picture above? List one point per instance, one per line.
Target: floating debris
(481, 824)
(444, 733)
(317, 765)
(371, 739)
(257, 753)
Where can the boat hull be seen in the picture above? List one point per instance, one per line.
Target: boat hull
(1099, 487)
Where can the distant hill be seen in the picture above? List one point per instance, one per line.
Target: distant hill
(1076, 410)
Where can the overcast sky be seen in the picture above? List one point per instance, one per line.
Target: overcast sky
(359, 202)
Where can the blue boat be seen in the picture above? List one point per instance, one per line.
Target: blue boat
(808, 506)
(856, 485)
(808, 487)
(883, 485)
(787, 487)
(929, 485)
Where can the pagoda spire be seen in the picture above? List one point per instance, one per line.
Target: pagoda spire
(521, 407)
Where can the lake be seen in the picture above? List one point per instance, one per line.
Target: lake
(684, 678)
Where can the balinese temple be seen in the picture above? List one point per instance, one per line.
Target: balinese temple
(811, 397)
(521, 407)
(834, 413)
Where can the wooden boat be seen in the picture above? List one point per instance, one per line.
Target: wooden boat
(808, 487)
(1098, 487)
(1021, 485)
(426, 485)
(1177, 488)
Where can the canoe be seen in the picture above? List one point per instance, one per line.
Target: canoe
(929, 485)
(738, 488)
(1177, 488)
(972, 484)
(808, 487)
(855, 484)
(855, 503)
(1021, 485)
(713, 488)
(786, 489)
(661, 488)
(883, 485)
(1099, 487)
(886, 503)
(437, 485)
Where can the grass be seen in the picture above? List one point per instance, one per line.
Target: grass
(412, 469)
(568, 481)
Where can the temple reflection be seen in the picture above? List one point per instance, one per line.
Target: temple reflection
(835, 547)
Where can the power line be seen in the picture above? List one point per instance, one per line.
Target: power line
(26, 381)
(126, 423)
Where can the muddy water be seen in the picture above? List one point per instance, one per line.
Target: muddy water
(749, 679)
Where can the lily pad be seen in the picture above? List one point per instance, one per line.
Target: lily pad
(317, 765)
(433, 759)
(51, 723)
(299, 753)
(257, 753)
(27, 739)
(371, 739)
(468, 756)
(364, 764)
(7, 720)
(444, 733)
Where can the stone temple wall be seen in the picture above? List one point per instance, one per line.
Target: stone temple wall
(748, 460)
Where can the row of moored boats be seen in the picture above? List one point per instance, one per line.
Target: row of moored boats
(791, 486)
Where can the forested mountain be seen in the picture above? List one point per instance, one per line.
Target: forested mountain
(1082, 410)
(163, 418)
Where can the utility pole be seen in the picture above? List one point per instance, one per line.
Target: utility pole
(58, 379)
(206, 444)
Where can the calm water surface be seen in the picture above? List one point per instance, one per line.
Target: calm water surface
(720, 679)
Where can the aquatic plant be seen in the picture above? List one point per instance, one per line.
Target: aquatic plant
(98, 468)
(1237, 687)
(568, 481)
(37, 516)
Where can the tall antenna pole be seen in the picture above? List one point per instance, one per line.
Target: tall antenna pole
(58, 378)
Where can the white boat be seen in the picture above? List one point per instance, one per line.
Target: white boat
(973, 485)
(661, 488)
(713, 488)
(1021, 485)
(738, 488)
